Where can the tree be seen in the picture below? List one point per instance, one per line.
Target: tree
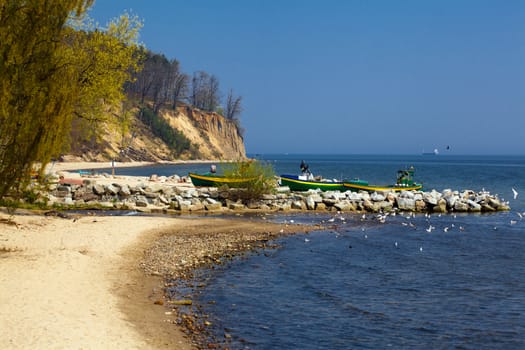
(233, 106)
(51, 73)
(178, 84)
(205, 93)
(160, 81)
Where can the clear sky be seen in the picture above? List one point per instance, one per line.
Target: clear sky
(354, 76)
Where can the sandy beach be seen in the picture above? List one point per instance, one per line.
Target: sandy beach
(94, 282)
(73, 165)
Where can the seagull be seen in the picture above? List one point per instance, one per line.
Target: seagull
(420, 249)
(515, 193)
(513, 222)
(395, 244)
(521, 216)
(331, 220)
(445, 229)
(430, 228)
(306, 240)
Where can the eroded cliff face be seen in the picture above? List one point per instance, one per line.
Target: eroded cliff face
(216, 137)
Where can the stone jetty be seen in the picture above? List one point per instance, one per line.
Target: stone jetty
(176, 194)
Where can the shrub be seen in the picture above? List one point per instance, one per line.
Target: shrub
(261, 177)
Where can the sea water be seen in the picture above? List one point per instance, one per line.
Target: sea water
(454, 281)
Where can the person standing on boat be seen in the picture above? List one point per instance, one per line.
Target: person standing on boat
(305, 171)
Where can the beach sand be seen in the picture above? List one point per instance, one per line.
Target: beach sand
(93, 282)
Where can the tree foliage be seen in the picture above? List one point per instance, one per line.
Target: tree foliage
(51, 73)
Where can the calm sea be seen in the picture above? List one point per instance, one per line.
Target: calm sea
(368, 285)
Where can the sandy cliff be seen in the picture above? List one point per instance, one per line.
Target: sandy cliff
(215, 137)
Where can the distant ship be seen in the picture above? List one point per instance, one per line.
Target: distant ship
(435, 152)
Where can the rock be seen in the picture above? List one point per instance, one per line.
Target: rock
(441, 206)
(211, 204)
(354, 196)
(310, 202)
(320, 206)
(451, 199)
(391, 197)
(298, 204)
(421, 205)
(125, 191)
(377, 197)
(486, 207)
(370, 206)
(154, 187)
(405, 203)
(385, 206)
(344, 205)
(112, 189)
(269, 197)
(431, 197)
(163, 200)
(99, 189)
(286, 206)
(473, 206)
(184, 205)
(406, 194)
(141, 201)
(236, 206)
(461, 206)
(330, 201)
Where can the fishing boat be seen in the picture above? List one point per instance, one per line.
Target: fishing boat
(307, 181)
(303, 183)
(405, 182)
(214, 180)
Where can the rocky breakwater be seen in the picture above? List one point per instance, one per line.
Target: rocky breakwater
(176, 194)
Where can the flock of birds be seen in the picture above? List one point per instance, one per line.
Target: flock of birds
(409, 221)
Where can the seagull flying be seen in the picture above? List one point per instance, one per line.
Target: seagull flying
(515, 193)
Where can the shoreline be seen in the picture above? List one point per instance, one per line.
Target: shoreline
(98, 281)
(75, 165)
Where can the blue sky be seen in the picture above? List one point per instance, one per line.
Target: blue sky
(354, 77)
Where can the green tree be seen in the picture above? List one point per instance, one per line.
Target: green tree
(51, 73)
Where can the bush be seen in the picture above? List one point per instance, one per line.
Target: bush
(260, 177)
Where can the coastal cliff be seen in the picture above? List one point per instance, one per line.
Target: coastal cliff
(208, 135)
(215, 136)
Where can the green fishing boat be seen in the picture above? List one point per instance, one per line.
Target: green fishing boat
(214, 180)
(307, 181)
(302, 183)
(405, 182)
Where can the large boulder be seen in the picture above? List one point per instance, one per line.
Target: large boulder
(405, 203)
(141, 201)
